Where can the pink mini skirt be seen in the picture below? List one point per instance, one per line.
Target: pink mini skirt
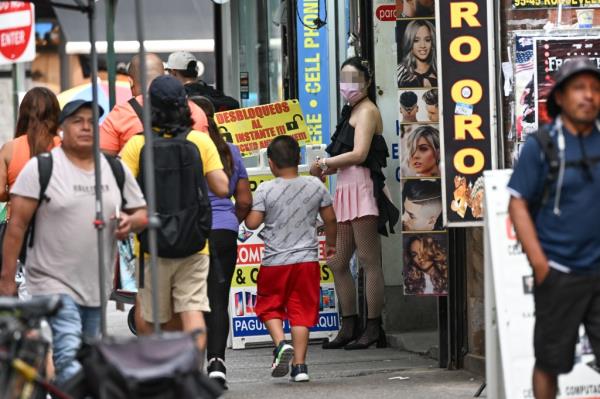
(354, 194)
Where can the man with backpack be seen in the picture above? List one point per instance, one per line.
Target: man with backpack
(123, 122)
(186, 68)
(185, 163)
(555, 208)
(55, 193)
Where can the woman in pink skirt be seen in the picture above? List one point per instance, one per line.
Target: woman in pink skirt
(358, 153)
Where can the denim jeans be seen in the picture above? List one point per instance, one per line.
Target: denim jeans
(72, 324)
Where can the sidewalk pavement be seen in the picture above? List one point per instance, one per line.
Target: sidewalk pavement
(372, 373)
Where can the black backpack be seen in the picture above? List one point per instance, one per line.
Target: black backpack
(552, 158)
(45, 166)
(182, 202)
(220, 101)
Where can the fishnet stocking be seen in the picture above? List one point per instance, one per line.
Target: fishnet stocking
(368, 248)
(340, 266)
(360, 234)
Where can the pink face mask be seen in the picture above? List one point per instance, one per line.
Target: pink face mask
(352, 92)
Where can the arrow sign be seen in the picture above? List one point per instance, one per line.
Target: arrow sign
(17, 23)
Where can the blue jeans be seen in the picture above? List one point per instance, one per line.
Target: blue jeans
(70, 326)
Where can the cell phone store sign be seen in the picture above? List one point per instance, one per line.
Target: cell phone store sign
(467, 93)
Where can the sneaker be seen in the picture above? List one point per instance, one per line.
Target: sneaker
(299, 373)
(217, 371)
(282, 356)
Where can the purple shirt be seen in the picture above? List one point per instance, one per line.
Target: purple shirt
(223, 209)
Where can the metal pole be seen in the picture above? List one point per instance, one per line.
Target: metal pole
(99, 222)
(148, 166)
(110, 52)
(18, 76)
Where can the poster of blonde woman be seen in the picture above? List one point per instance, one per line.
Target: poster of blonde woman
(420, 154)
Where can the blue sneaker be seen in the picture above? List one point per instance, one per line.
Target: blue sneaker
(299, 373)
(282, 356)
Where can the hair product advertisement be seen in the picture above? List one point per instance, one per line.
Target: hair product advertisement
(424, 238)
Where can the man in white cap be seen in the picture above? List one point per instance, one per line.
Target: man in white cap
(187, 69)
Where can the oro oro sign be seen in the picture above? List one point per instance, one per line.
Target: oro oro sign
(466, 72)
(17, 32)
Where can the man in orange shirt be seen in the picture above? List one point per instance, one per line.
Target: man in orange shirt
(122, 123)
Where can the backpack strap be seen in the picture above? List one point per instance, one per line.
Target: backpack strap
(550, 152)
(119, 172)
(137, 107)
(45, 165)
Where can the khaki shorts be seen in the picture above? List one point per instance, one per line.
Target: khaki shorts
(181, 287)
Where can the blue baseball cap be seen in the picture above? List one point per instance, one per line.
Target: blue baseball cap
(73, 106)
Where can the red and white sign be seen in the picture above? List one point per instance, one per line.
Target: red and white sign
(386, 13)
(17, 32)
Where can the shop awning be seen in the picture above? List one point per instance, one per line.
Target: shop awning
(169, 25)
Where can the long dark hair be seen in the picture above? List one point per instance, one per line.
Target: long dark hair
(172, 120)
(213, 131)
(38, 119)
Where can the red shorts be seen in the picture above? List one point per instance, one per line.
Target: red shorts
(290, 292)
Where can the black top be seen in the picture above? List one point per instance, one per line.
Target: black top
(342, 142)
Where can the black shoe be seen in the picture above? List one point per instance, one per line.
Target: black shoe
(373, 334)
(217, 371)
(349, 332)
(282, 356)
(299, 373)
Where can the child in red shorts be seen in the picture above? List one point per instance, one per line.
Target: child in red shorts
(289, 277)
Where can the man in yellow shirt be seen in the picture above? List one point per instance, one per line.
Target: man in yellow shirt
(182, 290)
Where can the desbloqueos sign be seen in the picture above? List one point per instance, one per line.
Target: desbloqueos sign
(17, 37)
(466, 73)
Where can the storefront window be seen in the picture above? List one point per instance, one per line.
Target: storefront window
(535, 42)
(259, 53)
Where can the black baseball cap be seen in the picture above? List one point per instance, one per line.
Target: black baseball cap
(73, 106)
(167, 92)
(568, 70)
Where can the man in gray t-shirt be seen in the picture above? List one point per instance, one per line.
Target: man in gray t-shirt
(289, 278)
(63, 259)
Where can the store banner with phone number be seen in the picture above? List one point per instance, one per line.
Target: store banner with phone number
(529, 4)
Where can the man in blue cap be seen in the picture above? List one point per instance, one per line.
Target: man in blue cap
(554, 207)
(62, 259)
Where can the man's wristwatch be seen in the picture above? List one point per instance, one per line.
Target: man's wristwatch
(323, 164)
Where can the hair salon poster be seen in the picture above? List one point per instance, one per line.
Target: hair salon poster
(424, 237)
(550, 54)
(466, 74)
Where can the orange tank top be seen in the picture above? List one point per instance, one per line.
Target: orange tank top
(20, 156)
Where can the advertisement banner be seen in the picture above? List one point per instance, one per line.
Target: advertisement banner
(513, 285)
(246, 328)
(466, 74)
(424, 238)
(313, 67)
(253, 129)
(538, 4)
(550, 54)
(524, 86)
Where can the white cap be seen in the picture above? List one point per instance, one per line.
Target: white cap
(180, 60)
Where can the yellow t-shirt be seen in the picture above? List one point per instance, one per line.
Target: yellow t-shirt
(211, 160)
